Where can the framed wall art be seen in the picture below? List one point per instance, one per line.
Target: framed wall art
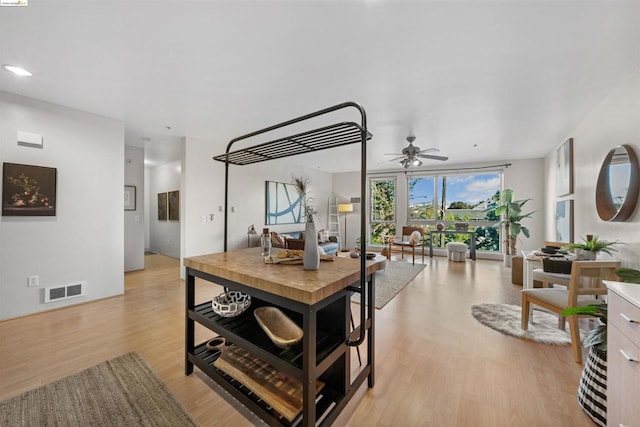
(129, 198)
(162, 206)
(28, 190)
(564, 168)
(283, 204)
(564, 221)
(174, 205)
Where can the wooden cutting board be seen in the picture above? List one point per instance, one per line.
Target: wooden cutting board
(278, 390)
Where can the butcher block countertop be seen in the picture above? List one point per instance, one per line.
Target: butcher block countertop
(247, 266)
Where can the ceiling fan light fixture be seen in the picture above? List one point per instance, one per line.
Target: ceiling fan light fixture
(416, 162)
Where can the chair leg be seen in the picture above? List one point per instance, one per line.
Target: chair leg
(576, 345)
(562, 322)
(413, 255)
(353, 327)
(525, 312)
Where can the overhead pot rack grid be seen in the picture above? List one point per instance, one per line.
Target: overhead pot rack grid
(323, 138)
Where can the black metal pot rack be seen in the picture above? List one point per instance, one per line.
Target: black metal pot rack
(322, 138)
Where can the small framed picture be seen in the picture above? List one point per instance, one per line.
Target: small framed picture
(162, 206)
(129, 198)
(174, 205)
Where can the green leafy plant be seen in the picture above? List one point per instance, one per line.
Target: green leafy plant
(598, 336)
(510, 212)
(595, 245)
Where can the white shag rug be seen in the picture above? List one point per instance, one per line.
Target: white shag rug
(506, 318)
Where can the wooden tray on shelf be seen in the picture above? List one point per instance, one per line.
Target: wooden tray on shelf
(280, 391)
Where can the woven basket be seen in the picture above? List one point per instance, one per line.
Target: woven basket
(551, 265)
(592, 390)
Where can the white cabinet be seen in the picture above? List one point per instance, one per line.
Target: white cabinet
(623, 355)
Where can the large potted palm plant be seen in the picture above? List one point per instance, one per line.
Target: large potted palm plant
(510, 213)
(592, 389)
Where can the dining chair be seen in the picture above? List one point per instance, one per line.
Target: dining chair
(405, 241)
(585, 288)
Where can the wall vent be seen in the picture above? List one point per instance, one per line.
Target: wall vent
(59, 293)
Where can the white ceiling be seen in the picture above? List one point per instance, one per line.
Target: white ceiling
(512, 78)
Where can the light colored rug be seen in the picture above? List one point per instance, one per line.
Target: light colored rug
(120, 392)
(392, 280)
(506, 318)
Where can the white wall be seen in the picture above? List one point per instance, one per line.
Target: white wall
(524, 177)
(134, 220)
(615, 121)
(164, 235)
(84, 241)
(204, 196)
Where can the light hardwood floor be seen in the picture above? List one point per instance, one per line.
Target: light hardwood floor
(436, 365)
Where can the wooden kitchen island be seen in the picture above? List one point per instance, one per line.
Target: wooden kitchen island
(318, 301)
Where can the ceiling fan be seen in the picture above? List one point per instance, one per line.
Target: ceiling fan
(411, 155)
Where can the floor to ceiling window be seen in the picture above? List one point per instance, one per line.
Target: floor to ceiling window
(382, 208)
(456, 198)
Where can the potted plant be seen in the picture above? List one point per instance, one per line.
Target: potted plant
(510, 212)
(588, 251)
(592, 387)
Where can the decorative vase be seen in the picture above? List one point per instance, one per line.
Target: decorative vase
(508, 260)
(311, 257)
(592, 389)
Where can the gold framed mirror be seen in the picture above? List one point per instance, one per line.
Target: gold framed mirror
(618, 184)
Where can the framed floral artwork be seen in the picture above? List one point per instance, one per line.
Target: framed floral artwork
(162, 206)
(28, 190)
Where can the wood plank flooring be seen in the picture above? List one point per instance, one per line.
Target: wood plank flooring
(435, 364)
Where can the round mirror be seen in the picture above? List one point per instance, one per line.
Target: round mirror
(618, 184)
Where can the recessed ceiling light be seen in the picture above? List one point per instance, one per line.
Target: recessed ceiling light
(17, 70)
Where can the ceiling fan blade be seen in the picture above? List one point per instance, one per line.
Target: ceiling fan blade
(428, 150)
(432, 157)
(393, 154)
(397, 158)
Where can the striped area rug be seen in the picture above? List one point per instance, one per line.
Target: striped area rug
(119, 392)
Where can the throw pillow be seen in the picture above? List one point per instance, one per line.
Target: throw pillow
(277, 239)
(323, 235)
(415, 237)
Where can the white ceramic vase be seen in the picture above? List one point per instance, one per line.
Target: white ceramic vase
(311, 257)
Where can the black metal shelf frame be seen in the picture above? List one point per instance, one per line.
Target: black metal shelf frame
(323, 138)
(324, 352)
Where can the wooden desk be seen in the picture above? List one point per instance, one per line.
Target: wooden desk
(319, 301)
(472, 244)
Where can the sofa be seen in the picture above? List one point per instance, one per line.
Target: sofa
(295, 240)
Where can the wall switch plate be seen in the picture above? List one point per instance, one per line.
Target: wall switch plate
(33, 281)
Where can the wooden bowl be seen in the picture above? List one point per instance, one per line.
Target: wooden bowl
(282, 330)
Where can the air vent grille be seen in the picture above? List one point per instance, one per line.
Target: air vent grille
(59, 293)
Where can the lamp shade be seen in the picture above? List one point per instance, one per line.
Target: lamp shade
(345, 207)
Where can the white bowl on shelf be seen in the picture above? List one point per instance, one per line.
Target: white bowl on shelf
(230, 304)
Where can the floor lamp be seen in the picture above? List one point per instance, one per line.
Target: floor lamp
(345, 208)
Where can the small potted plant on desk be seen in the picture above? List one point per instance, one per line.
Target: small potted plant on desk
(588, 251)
(592, 389)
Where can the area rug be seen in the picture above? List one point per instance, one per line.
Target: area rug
(119, 392)
(506, 318)
(392, 280)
